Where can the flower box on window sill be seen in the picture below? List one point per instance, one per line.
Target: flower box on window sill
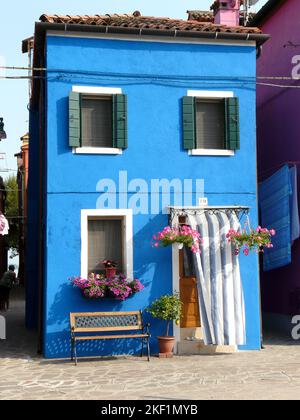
(97, 287)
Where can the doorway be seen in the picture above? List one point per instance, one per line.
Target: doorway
(190, 323)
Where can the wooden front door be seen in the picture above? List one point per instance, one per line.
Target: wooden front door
(188, 295)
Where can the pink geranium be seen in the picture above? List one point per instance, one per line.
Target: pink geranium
(97, 286)
(184, 235)
(255, 240)
(3, 225)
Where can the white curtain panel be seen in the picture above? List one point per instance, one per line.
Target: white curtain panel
(220, 290)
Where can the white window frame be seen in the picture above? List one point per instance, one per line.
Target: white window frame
(96, 91)
(210, 94)
(127, 215)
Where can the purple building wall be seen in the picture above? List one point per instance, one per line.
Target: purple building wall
(278, 123)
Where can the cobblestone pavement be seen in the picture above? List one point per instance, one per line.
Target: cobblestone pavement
(273, 373)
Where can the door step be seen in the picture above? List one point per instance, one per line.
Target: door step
(196, 347)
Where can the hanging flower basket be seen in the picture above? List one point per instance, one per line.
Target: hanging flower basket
(253, 240)
(181, 235)
(100, 287)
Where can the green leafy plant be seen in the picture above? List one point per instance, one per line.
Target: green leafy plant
(12, 212)
(168, 308)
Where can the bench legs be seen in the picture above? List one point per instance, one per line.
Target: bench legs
(142, 352)
(73, 351)
(148, 347)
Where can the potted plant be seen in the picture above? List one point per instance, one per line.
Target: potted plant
(110, 268)
(167, 308)
(181, 235)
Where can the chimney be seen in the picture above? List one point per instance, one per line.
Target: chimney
(227, 12)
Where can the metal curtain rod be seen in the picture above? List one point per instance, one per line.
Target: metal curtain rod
(209, 208)
(240, 211)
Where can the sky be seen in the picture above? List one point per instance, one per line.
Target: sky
(17, 23)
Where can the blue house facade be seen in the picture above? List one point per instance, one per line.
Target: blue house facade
(126, 122)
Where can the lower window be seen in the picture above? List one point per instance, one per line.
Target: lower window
(106, 235)
(105, 242)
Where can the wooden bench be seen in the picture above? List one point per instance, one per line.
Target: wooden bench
(108, 322)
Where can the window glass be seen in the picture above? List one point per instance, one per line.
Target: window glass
(210, 124)
(188, 263)
(104, 243)
(96, 122)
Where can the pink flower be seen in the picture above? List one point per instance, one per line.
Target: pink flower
(179, 234)
(246, 252)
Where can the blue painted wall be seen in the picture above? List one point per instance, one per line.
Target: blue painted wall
(155, 151)
(32, 244)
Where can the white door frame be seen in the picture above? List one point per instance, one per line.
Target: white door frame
(176, 284)
(176, 288)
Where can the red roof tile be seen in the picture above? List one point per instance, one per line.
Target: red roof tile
(201, 16)
(146, 22)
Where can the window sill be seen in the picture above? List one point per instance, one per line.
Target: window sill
(211, 152)
(97, 151)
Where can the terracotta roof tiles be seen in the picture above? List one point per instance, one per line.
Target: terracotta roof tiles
(146, 22)
(201, 16)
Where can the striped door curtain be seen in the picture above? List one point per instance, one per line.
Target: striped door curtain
(220, 290)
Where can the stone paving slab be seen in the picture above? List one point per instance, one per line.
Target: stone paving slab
(273, 373)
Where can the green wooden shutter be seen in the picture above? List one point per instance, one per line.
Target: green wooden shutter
(120, 136)
(74, 119)
(189, 125)
(232, 123)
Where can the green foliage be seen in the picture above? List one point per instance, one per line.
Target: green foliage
(168, 308)
(11, 212)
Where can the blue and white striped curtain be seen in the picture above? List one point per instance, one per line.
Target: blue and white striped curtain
(220, 290)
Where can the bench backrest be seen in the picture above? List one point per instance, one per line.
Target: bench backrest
(106, 321)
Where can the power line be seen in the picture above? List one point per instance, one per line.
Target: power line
(94, 73)
(22, 68)
(278, 86)
(5, 190)
(143, 75)
(157, 79)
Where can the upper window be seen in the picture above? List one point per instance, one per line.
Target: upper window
(211, 124)
(97, 122)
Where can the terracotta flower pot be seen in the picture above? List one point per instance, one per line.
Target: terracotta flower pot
(110, 272)
(166, 345)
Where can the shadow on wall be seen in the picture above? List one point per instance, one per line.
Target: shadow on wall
(153, 268)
